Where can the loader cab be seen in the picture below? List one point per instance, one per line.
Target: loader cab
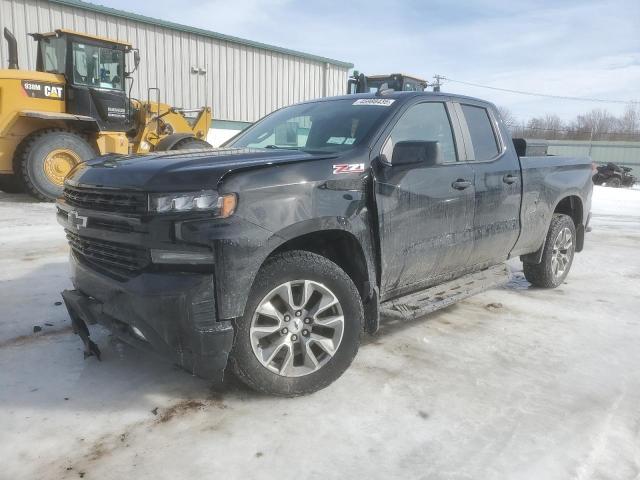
(399, 82)
(94, 68)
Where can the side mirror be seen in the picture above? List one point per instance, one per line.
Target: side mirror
(408, 152)
(136, 62)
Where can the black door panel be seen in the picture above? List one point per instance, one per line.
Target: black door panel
(425, 223)
(496, 223)
(108, 107)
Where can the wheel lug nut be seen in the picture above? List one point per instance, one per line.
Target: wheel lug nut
(307, 321)
(294, 337)
(285, 331)
(305, 332)
(287, 318)
(298, 313)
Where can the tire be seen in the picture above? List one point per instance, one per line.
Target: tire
(614, 182)
(291, 374)
(556, 262)
(11, 184)
(191, 143)
(41, 170)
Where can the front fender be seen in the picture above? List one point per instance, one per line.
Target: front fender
(277, 205)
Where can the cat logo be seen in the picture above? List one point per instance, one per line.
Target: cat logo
(52, 91)
(43, 90)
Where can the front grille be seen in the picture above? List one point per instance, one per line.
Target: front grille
(125, 258)
(106, 200)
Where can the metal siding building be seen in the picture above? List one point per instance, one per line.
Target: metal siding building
(240, 79)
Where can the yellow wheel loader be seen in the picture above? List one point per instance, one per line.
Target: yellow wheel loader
(75, 106)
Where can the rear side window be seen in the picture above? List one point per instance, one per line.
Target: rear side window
(483, 138)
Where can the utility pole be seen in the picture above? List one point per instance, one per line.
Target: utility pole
(437, 84)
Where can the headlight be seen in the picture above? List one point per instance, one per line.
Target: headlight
(203, 201)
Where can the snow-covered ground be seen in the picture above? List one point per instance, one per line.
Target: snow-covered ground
(514, 383)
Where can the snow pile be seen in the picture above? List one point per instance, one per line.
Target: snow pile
(615, 201)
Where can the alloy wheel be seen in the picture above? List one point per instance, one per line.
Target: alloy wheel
(297, 328)
(562, 252)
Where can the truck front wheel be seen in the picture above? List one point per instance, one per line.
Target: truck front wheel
(557, 256)
(302, 326)
(46, 159)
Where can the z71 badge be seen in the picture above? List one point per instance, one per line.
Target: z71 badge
(43, 90)
(348, 168)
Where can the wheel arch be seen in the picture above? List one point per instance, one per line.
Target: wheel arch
(340, 246)
(346, 250)
(572, 206)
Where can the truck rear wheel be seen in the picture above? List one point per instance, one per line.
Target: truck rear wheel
(557, 255)
(47, 157)
(301, 328)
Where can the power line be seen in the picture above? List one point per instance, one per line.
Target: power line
(535, 94)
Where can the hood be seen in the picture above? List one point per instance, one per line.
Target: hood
(179, 170)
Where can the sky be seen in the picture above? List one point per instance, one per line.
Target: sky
(573, 48)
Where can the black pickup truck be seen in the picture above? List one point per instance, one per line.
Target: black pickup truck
(276, 252)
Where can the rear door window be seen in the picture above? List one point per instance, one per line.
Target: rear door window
(483, 137)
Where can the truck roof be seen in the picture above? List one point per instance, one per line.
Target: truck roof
(404, 96)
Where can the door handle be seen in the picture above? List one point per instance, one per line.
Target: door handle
(508, 178)
(461, 184)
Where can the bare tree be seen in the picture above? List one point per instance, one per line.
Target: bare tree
(629, 122)
(598, 124)
(507, 115)
(594, 124)
(549, 126)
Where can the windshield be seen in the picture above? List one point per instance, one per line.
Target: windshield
(333, 126)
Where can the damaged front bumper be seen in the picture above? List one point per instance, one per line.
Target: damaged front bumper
(171, 314)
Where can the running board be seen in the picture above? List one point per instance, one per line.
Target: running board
(431, 299)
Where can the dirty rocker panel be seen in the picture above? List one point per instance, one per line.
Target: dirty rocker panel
(431, 299)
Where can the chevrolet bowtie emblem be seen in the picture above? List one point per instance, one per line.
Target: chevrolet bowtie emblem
(77, 221)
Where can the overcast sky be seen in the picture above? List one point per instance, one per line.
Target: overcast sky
(576, 48)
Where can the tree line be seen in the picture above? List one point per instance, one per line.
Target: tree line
(598, 124)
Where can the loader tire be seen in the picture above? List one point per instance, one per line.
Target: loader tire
(47, 157)
(191, 143)
(557, 255)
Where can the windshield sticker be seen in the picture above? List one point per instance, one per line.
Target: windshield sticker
(348, 168)
(380, 102)
(336, 140)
